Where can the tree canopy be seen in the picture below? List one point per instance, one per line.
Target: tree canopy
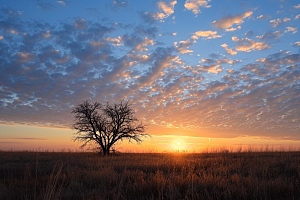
(106, 124)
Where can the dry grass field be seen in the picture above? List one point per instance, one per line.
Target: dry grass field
(223, 175)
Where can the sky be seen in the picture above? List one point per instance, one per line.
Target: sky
(198, 72)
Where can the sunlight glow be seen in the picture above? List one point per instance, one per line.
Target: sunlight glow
(178, 143)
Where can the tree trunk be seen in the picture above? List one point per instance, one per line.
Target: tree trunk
(107, 151)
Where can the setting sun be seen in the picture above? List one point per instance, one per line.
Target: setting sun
(178, 143)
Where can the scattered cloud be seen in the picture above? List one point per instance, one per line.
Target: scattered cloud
(183, 46)
(195, 4)
(297, 6)
(233, 29)
(80, 24)
(151, 17)
(167, 8)
(61, 3)
(207, 34)
(141, 46)
(270, 36)
(211, 68)
(247, 45)
(297, 16)
(228, 50)
(263, 17)
(249, 33)
(48, 68)
(296, 44)
(291, 29)
(10, 12)
(276, 22)
(120, 4)
(229, 21)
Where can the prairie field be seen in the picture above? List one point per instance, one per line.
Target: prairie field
(221, 175)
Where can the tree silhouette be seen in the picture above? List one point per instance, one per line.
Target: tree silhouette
(104, 125)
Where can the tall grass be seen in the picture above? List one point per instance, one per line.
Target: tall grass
(220, 175)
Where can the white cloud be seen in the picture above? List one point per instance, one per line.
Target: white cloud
(297, 44)
(1, 37)
(263, 17)
(195, 4)
(286, 19)
(232, 29)
(227, 22)
(291, 29)
(297, 6)
(207, 34)
(275, 22)
(297, 16)
(61, 2)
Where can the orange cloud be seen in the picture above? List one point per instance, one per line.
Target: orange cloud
(229, 21)
(228, 50)
(207, 34)
(195, 4)
(247, 45)
(167, 8)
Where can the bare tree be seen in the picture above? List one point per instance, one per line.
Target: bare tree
(104, 125)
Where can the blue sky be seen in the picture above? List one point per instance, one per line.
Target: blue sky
(219, 69)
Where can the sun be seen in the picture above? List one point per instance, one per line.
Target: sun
(178, 143)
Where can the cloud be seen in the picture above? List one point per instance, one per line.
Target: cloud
(50, 69)
(167, 8)
(270, 36)
(141, 46)
(297, 16)
(275, 22)
(10, 12)
(1, 37)
(115, 41)
(207, 34)
(61, 3)
(228, 50)
(151, 17)
(211, 68)
(297, 6)
(263, 17)
(150, 32)
(291, 29)
(184, 45)
(232, 29)
(249, 33)
(229, 21)
(296, 44)
(247, 45)
(195, 4)
(80, 24)
(120, 4)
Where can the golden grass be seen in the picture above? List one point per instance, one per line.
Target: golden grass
(222, 175)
